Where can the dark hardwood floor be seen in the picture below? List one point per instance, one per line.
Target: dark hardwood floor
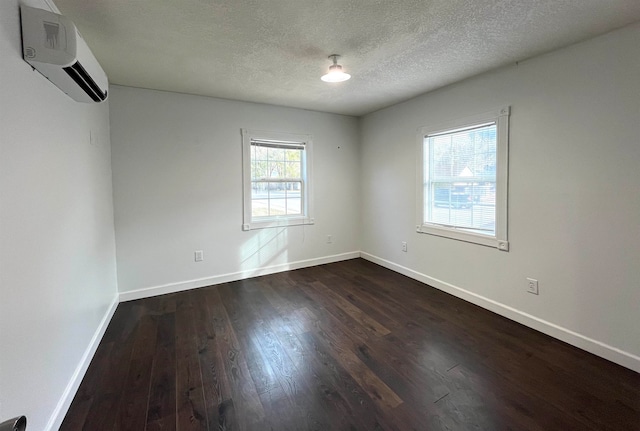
(345, 346)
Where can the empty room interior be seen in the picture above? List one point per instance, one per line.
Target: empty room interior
(320, 215)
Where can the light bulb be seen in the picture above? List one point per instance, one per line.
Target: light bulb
(335, 72)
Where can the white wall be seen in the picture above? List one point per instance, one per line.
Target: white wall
(57, 244)
(574, 205)
(177, 163)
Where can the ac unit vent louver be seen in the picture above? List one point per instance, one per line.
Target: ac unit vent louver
(82, 78)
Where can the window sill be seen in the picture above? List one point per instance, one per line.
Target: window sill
(461, 235)
(277, 222)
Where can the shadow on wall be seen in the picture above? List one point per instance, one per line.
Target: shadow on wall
(266, 247)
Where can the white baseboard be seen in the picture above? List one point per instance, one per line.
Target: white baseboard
(233, 276)
(583, 342)
(56, 418)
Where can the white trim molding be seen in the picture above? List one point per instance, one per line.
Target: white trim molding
(301, 142)
(56, 418)
(581, 341)
(424, 220)
(233, 276)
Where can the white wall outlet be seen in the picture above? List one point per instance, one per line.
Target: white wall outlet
(532, 286)
(329, 239)
(404, 246)
(198, 255)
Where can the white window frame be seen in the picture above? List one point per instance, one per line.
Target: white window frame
(249, 222)
(499, 240)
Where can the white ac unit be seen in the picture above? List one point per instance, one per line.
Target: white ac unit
(52, 45)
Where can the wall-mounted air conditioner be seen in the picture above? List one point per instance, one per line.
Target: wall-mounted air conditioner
(52, 45)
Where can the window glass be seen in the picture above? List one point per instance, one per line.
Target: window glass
(462, 179)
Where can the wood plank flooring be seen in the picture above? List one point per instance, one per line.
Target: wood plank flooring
(344, 346)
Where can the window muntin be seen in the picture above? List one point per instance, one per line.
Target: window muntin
(463, 188)
(277, 172)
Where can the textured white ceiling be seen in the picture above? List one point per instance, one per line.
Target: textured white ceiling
(274, 51)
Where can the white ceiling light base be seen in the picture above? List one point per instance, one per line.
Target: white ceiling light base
(335, 71)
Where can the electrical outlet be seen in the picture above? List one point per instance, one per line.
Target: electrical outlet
(404, 246)
(198, 255)
(329, 239)
(532, 286)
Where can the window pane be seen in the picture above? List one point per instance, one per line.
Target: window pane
(456, 205)
(293, 170)
(294, 202)
(277, 199)
(259, 169)
(276, 154)
(466, 153)
(276, 169)
(441, 155)
(460, 189)
(259, 199)
(293, 155)
(259, 153)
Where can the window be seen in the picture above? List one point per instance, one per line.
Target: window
(463, 179)
(277, 173)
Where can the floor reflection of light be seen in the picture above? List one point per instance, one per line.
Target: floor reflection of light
(265, 248)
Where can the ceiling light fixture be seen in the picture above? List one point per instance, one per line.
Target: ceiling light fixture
(335, 71)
